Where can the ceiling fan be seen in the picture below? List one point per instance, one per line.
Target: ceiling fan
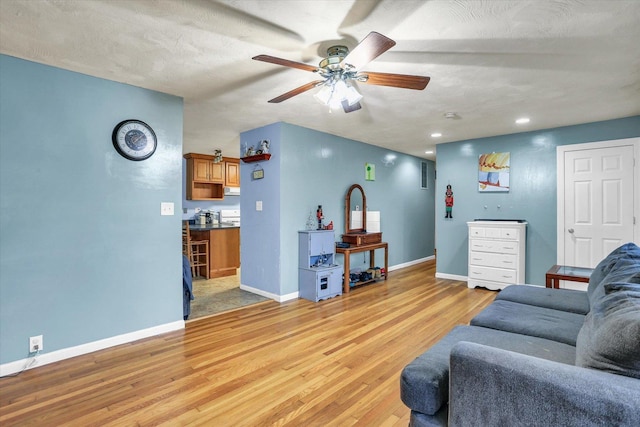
(341, 67)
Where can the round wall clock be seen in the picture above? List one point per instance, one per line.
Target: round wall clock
(134, 139)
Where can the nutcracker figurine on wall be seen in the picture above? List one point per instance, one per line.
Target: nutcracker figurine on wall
(448, 202)
(320, 217)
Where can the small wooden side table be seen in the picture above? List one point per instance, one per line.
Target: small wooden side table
(565, 272)
(363, 248)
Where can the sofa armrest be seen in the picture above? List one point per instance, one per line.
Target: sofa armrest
(489, 386)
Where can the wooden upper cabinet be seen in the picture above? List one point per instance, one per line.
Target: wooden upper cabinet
(232, 172)
(216, 172)
(206, 179)
(200, 169)
(206, 170)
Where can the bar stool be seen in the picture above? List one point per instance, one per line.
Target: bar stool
(197, 251)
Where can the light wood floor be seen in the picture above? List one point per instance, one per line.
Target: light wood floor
(333, 363)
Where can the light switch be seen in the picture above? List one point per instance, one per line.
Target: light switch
(259, 205)
(166, 208)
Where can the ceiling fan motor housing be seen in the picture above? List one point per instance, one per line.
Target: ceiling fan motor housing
(335, 55)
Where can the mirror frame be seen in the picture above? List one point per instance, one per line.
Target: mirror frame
(347, 211)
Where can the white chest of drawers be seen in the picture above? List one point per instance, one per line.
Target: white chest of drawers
(496, 253)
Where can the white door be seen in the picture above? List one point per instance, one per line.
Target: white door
(596, 212)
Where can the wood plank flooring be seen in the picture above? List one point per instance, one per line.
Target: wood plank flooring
(332, 363)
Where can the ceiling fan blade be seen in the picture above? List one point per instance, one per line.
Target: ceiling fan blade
(372, 46)
(284, 62)
(404, 81)
(296, 91)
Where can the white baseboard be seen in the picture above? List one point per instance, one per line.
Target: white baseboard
(295, 295)
(451, 277)
(279, 298)
(66, 353)
(410, 263)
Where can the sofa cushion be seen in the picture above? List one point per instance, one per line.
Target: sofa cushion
(424, 383)
(628, 251)
(508, 316)
(557, 299)
(440, 419)
(610, 337)
(626, 270)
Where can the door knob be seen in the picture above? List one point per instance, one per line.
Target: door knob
(571, 230)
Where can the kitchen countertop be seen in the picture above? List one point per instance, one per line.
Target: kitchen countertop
(208, 227)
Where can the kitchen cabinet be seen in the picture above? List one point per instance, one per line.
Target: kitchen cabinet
(232, 172)
(206, 179)
(206, 170)
(224, 249)
(496, 253)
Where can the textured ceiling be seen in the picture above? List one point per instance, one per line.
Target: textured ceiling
(559, 62)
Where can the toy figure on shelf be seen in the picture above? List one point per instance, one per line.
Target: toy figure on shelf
(319, 216)
(264, 146)
(448, 202)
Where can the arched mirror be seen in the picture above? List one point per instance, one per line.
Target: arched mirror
(355, 201)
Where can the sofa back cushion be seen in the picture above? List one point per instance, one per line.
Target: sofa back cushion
(625, 255)
(625, 271)
(610, 337)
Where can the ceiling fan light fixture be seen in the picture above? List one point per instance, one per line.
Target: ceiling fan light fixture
(352, 95)
(335, 91)
(324, 94)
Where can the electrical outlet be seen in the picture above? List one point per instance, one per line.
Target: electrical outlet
(35, 343)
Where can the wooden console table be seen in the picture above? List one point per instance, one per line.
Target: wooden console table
(363, 248)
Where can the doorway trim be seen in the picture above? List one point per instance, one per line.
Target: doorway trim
(560, 153)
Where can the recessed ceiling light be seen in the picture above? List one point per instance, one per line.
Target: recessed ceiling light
(523, 120)
(428, 152)
(436, 135)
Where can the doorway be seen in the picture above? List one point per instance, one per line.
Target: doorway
(598, 201)
(214, 296)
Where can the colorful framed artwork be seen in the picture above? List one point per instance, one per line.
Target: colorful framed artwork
(493, 172)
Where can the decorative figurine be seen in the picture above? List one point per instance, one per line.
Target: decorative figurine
(310, 222)
(319, 216)
(448, 202)
(217, 156)
(250, 152)
(264, 146)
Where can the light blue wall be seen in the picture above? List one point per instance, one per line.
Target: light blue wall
(84, 252)
(311, 168)
(532, 195)
(260, 247)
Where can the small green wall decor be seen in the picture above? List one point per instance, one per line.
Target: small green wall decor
(369, 171)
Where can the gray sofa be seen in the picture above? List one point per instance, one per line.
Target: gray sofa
(539, 357)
